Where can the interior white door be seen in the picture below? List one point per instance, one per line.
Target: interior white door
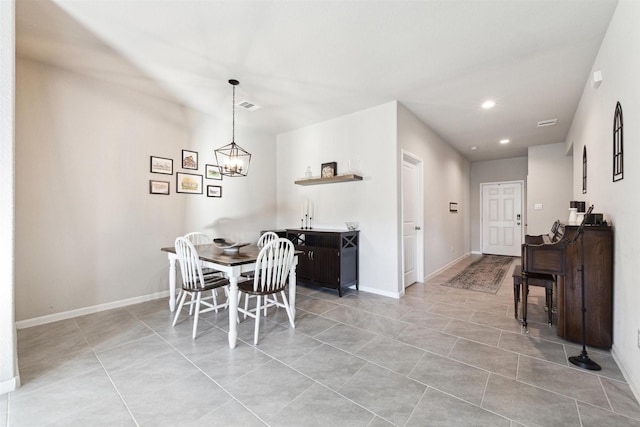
(502, 218)
(410, 221)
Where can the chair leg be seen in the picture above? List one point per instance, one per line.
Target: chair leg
(257, 328)
(287, 307)
(175, 318)
(195, 319)
(214, 292)
(246, 304)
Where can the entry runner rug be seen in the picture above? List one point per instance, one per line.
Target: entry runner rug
(484, 275)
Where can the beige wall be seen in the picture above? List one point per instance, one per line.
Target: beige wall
(550, 183)
(446, 179)
(618, 201)
(491, 171)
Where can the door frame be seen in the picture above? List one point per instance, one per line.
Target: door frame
(522, 206)
(417, 161)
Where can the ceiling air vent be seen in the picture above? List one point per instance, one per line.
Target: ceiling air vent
(250, 106)
(545, 123)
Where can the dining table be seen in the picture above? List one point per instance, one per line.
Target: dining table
(233, 265)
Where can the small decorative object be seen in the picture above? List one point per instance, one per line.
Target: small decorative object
(584, 171)
(618, 153)
(188, 183)
(329, 169)
(233, 159)
(161, 165)
(573, 216)
(351, 225)
(158, 187)
(307, 173)
(189, 159)
(453, 207)
(306, 215)
(212, 172)
(214, 191)
(228, 246)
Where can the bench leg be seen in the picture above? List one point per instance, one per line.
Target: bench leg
(525, 294)
(549, 298)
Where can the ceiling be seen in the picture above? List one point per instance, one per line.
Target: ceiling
(310, 61)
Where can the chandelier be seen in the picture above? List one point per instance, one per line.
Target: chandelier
(232, 159)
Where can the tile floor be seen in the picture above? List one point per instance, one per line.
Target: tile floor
(437, 357)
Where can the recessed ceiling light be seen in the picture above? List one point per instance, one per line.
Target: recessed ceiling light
(474, 148)
(504, 141)
(488, 104)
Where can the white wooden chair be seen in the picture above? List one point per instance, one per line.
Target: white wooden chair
(271, 274)
(265, 238)
(194, 283)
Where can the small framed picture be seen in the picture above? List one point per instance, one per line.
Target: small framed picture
(212, 172)
(453, 207)
(158, 187)
(189, 159)
(188, 183)
(327, 170)
(161, 165)
(214, 191)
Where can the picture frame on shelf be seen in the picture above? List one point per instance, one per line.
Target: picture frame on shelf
(214, 191)
(158, 187)
(212, 172)
(188, 183)
(328, 170)
(189, 159)
(161, 165)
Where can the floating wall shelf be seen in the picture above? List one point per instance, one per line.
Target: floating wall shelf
(330, 180)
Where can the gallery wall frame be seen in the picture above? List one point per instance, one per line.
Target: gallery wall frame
(159, 187)
(188, 183)
(212, 172)
(161, 165)
(214, 191)
(189, 159)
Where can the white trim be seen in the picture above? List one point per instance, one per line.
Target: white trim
(441, 269)
(417, 161)
(395, 295)
(49, 318)
(633, 385)
(9, 385)
(522, 207)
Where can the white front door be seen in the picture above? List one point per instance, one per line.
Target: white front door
(411, 222)
(502, 218)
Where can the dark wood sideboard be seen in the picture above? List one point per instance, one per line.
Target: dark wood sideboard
(598, 285)
(329, 259)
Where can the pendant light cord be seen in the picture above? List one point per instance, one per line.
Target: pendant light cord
(233, 116)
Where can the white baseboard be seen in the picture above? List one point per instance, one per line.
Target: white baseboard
(443, 268)
(476, 252)
(49, 318)
(633, 384)
(395, 295)
(9, 385)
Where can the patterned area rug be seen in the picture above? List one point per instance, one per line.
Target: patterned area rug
(484, 275)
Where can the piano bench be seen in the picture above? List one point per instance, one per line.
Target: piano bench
(533, 279)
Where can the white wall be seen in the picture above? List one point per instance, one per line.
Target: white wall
(88, 231)
(248, 204)
(368, 139)
(9, 379)
(550, 183)
(592, 126)
(514, 169)
(446, 179)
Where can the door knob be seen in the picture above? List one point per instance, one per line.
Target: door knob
(417, 227)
